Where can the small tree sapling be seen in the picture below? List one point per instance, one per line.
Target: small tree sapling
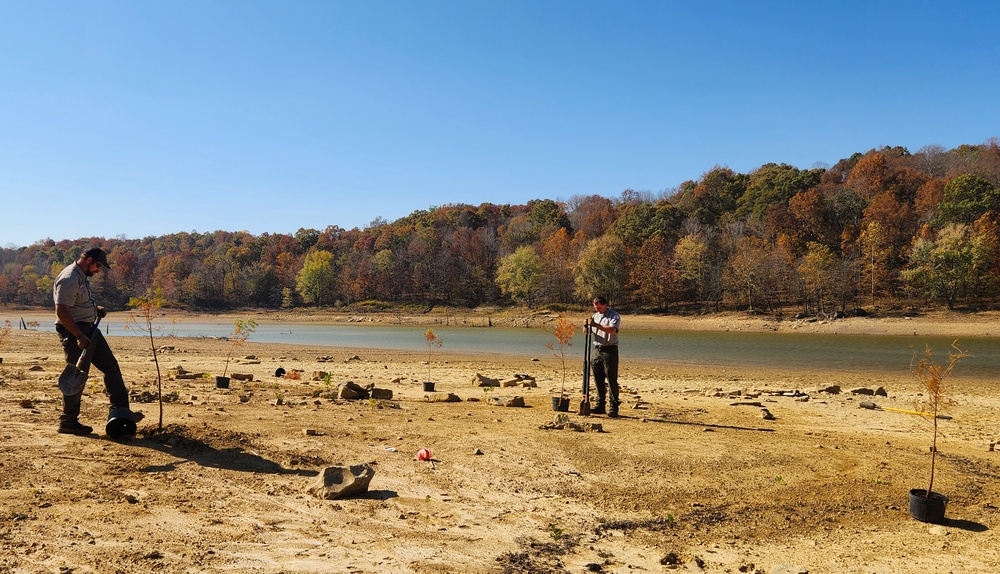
(141, 318)
(432, 341)
(932, 376)
(563, 331)
(242, 329)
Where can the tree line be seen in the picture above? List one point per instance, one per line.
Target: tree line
(880, 229)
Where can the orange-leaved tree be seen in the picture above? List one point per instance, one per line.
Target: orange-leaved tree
(432, 341)
(563, 331)
(932, 376)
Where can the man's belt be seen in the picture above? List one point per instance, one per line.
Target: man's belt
(62, 330)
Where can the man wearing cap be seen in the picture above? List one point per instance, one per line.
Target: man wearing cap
(76, 313)
(604, 323)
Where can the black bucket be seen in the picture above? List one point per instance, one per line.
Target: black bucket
(560, 404)
(120, 423)
(428, 387)
(927, 508)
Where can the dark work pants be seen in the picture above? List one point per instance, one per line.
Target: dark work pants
(105, 362)
(605, 367)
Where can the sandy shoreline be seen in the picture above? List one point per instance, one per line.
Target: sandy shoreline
(691, 478)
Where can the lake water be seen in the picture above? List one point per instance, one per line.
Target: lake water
(866, 353)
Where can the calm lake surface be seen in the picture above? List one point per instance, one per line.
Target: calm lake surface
(866, 353)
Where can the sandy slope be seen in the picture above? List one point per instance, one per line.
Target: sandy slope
(687, 481)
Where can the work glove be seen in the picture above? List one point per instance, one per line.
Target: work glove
(83, 341)
(102, 312)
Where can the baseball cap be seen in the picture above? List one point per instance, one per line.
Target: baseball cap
(98, 255)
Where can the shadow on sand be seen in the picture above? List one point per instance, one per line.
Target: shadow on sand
(178, 442)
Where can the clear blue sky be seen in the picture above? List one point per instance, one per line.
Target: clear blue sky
(138, 118)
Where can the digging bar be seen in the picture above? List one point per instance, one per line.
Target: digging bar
(585, 402)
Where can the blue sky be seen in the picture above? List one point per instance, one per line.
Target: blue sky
(152, 117)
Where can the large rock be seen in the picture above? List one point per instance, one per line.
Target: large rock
(353, 391)
(483, 381)
(506, 401)
(340, 481)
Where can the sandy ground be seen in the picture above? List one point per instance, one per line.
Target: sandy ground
(690, 479)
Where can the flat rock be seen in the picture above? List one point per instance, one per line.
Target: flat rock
(480, 380)
(505, 401)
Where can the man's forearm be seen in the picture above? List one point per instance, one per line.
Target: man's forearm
(66, 319)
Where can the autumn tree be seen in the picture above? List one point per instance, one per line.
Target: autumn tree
(817, 271)
(592, 214)
(600, 269)
(746, 272)
(654, 278)
(519, 275)
(558, 257)
(869, 174)
(713, 196)
(946, 266)
(690, 259)
(773, 184)
(876, 251)
(966, 198)
(315, 280)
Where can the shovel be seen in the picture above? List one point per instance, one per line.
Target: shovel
(585, 403)
(74, 377)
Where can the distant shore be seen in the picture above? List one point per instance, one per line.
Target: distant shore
(934, 323)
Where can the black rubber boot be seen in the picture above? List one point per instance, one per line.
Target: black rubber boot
(73, 426)
(69, 422)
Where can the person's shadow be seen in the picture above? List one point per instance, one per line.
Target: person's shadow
(175, 441)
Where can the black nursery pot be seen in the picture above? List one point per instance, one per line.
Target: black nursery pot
(927, 508)
(428, 387)
(222, 382)
(560, 404)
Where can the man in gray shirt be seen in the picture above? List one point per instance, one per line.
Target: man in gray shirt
(604, 323)
(76, 313)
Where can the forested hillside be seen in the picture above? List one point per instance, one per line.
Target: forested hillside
(880, 229)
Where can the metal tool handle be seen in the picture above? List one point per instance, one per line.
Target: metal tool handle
(83, 363)
(587, 340)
